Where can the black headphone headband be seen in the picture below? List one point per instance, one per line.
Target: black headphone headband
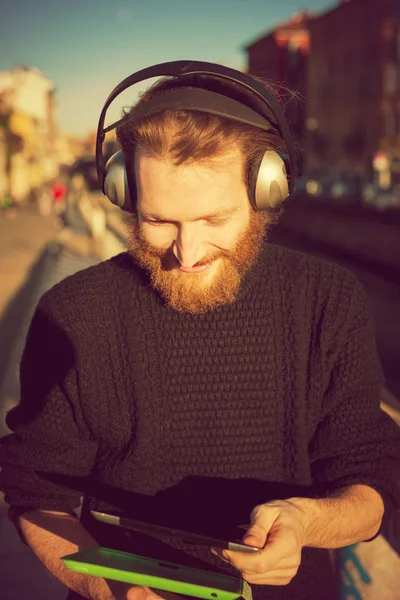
(183, 68)
(201, 100)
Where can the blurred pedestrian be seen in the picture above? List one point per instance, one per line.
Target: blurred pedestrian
(8, 206)
(45, 200)
(97, 223)
(59, 190)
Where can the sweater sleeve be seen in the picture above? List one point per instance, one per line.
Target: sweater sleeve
(355, 442)
(49, 434)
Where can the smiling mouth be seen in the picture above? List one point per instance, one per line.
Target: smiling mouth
(195, 268)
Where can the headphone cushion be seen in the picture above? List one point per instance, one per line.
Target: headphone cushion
(116, 186)
(252, 180)
(268, 181)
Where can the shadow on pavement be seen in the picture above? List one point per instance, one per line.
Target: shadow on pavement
(17, 314)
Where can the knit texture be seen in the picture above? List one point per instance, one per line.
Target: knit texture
(195, 419)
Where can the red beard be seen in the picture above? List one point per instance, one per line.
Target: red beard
(199, 292)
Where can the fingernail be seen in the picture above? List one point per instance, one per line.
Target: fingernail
(251, 536)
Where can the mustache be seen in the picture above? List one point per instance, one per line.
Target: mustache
(168, 258)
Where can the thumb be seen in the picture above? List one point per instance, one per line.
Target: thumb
(261, 520)
(255, 536)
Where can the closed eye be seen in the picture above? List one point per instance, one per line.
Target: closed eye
(211, 222)
(217, 222)
(155, 222)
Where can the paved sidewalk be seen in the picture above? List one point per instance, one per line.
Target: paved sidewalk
(21, 574)
(35, 255)
(21, 240)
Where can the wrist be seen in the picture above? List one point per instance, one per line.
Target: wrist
(309, 510)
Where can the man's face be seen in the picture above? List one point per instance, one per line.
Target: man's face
(195, 231)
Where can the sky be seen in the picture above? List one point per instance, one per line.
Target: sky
(88, 46)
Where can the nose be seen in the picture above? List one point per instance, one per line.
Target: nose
(188, 247)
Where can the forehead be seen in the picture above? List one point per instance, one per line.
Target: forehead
(191, 189)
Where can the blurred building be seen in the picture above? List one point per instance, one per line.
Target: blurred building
(65, 149)
(353, 95)
(85, 164)
(110, 144)
(3, 163)
(29, 131)
(281, 56)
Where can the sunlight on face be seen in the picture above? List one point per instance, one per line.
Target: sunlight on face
(194, 209)
(195, 231)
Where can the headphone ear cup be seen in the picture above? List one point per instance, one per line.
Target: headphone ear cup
(268, 181)
(252, 180)
(116, 186)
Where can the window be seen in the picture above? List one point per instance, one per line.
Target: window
(363, 88)
(398, 45)
(347, 62)
(391, 76)
(396, 121)
(390, 124)
(393, 46)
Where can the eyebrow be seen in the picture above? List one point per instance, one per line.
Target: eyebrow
(216, 215)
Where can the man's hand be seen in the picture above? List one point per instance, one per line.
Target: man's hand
(138, 592)
(278, 528)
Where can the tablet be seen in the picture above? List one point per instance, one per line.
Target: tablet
(159, 575)
(185, 536)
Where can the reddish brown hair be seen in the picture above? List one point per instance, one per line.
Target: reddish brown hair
(185, 136)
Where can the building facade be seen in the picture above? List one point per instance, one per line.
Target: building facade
(353, 93)
(3, 164)
(281, 56)
(28, 123)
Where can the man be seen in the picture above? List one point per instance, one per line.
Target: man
(204, 377)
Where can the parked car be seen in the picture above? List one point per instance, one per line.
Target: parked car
(308, 185)
(381, 199)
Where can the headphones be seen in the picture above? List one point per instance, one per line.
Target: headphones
(272, 175)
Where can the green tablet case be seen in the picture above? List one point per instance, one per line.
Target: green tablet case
(161, 575)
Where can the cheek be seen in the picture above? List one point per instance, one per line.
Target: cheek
(159, 237)
(221, 239)
(226, 237)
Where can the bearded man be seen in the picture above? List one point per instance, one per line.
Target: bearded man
(204, 377)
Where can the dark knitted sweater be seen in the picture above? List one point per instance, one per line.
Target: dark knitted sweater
(198, 418)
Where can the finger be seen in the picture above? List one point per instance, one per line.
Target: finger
(257, 534)
(138, 592)
(221, 555)
(276, 577)
(281, 546)
(262, 518)
(255, 538)
(239, 560)
(170, 595)
(153, 594)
